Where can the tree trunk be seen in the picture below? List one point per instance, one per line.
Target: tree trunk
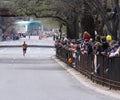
(115, 24)
(87, 24)
(116, 28)
(73, 28)
(76, 26)
(70, 32)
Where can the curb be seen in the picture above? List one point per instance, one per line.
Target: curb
(87, 82)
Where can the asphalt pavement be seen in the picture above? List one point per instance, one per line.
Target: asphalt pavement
(41, 76)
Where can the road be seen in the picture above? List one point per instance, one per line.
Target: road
(37, 76)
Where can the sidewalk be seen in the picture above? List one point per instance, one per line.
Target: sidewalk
(87, 82)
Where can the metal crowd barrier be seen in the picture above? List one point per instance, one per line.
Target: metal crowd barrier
(98, 68)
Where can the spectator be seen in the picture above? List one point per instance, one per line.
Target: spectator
(105, 45)
(108, 37)
(86, 36)
(98, 38)
(97, 48)
(115, 51)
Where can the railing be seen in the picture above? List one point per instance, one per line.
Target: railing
(98, 68)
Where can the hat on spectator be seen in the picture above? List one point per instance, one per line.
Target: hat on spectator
(108, 37)
(86, 36)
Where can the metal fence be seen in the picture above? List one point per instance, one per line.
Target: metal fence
(98, 68)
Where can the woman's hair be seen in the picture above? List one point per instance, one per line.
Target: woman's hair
(98, 38)
(111, 43)
(103, 38)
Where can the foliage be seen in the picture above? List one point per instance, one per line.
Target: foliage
(70, 13)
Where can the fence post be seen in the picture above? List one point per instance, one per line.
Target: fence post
(110, 64)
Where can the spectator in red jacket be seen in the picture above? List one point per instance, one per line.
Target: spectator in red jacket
(86, 36)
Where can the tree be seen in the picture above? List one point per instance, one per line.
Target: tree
(66, 12)
(100, 15)
(107, 15)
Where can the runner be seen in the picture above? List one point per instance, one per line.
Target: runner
(24, 46)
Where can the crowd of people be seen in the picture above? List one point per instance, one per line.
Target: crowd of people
(102, 45)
